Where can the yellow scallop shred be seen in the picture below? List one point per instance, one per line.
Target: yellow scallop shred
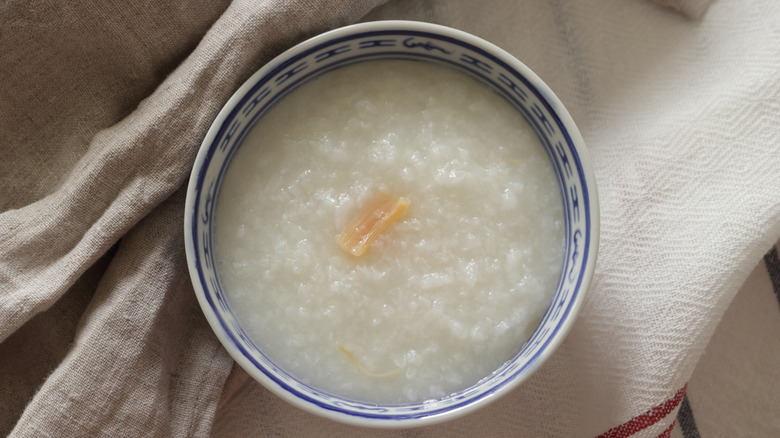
(366, 226)
(362, 368)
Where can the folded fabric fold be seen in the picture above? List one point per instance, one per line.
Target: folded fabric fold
(692, 8)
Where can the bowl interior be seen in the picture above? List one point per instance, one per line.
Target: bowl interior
(409, 41)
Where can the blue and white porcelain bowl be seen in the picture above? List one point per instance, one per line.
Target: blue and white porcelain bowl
(398, 40)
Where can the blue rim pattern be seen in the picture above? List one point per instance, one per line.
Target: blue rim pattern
(337, 52)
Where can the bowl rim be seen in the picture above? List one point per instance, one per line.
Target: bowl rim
(556, 107)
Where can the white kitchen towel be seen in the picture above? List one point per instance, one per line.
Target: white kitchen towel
(735, 389)
(103, 108)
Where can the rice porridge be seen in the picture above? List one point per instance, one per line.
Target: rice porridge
(450, 199)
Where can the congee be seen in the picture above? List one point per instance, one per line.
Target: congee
(390, 232)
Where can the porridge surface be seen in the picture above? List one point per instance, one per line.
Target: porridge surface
(444, 295)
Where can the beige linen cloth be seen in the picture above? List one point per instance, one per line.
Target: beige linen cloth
(103, 106)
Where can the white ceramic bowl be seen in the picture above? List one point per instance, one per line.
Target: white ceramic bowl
(400, 40)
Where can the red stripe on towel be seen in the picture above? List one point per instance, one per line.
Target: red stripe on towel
(649, 418)
(668, 432)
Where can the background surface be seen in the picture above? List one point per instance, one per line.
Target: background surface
(103, 108)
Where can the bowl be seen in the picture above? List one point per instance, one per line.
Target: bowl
(406, 40)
